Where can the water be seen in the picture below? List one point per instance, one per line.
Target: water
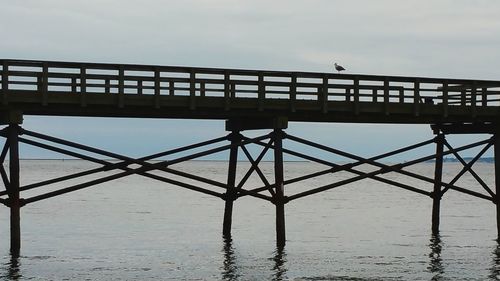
(139, 229)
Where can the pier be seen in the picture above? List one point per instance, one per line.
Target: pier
(246, 100)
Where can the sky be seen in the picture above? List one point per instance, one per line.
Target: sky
(446, 38)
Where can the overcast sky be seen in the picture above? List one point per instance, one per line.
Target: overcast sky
(453, 38)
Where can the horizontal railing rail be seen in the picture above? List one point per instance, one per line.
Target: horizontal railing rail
(49, 77)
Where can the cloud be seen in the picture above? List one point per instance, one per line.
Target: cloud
(456, 39)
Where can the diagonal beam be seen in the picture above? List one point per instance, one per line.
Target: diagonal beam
(347, 167)
(4, 151)
(256, 168)
(107, 166)
(350, 165)
(473, 193)
(63, 151)
(5, 180)
(115, 155)
(372, 175)
(361, 175)
(106, 179)
(362, 160)
(59, 179)
(395, 168)
(147, 168)
(468, 167)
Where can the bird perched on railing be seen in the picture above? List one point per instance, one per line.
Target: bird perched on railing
(339, 67)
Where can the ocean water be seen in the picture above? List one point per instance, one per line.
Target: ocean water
(136, 228)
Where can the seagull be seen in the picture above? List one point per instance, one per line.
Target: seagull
(339, 67)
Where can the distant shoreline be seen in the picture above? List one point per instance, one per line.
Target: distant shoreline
(446, 160)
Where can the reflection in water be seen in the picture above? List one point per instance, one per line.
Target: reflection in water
(229, 270)
(279, 264)
(11, 269)
(495, 266)
(435, 262)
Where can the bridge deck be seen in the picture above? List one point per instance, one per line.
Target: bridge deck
(96, 89)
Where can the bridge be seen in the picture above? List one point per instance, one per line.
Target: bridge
(246, 99)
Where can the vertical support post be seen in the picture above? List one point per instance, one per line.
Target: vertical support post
(279, 183)
(497, 178)
(14, 202)
(231, 182)
(438, 176)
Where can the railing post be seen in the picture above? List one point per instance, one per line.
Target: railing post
(171, 88)
(227, 91)
(386, 96)
(192, 90)
(293, 92)
(139, 87)
(83, 86)
(45, 83)
(121, 86)
(202, 89)
(5, 82)
(356, 95)
(473, 99)
(231, 182)
(463, 98)
(157, 88)
(261, 92)
(416, 97)
(438, 175)
(279, 189)
(73, 85)
(445, 99)
(13, 190)
(484, 97)
(323, 95)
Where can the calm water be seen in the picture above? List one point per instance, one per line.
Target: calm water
(139, 229)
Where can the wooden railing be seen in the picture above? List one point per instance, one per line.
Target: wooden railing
(47, 77)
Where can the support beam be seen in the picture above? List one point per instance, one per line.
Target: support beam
(231, 192)
(279, 185)
(438, 176)
(14, 202)
(497, 179)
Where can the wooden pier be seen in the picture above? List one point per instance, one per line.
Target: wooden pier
(247, 100)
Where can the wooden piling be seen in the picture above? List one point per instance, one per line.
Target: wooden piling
(231, 180)
(497, 179)
(279, 181)
(14, 202)
(438, 176)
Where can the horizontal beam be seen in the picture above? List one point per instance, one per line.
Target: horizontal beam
(467, 128)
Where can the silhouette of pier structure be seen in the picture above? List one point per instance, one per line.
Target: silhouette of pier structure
(247, 100)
